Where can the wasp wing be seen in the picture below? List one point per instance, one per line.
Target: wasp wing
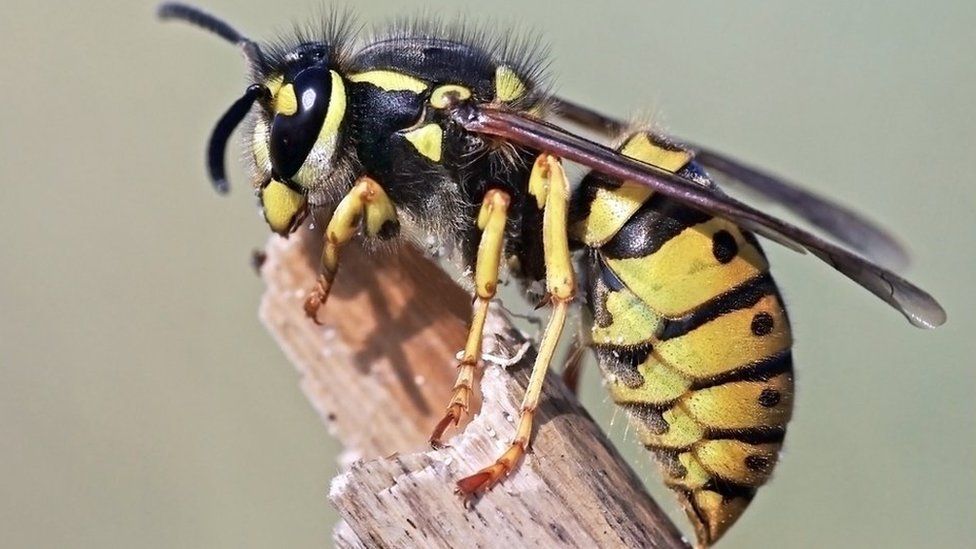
(838, 221)
(919, 307)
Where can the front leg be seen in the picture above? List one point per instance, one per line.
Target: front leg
(368, 200)
(549, 185)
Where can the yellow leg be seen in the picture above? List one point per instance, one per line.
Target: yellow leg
(366, 200)
(549, 185)
(491, 221)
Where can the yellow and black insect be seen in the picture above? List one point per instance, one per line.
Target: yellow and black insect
(428, 132)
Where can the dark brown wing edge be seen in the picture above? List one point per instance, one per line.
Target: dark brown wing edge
(921, 309)
(848, 226)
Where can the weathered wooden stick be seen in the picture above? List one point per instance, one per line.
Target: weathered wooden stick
(380, 372)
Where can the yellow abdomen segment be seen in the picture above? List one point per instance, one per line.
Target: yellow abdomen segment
(693, 341)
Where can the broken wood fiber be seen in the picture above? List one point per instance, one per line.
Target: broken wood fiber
(379, 373)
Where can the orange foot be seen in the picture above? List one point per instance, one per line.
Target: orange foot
(452, 416)
(316, 299)
(486, 478)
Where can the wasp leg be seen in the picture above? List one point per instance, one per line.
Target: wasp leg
(367, 204)
(491, 221)
(549, 185)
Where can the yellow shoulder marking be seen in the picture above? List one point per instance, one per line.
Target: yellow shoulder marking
(440, 98)
(427, 140)
(390, 81)
(508, 85)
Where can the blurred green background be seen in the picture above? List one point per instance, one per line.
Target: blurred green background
(141, 403)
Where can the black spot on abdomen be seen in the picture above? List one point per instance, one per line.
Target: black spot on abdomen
(762, 324)
(769, 398)
(724, 247)
(758, 462)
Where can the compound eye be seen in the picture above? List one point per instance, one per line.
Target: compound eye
(300, 110)
(283, 207)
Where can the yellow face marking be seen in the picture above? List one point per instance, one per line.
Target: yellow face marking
(428, 141)
(684, 272)
(739, 405)
(441, 97)
(726, 343)
(321, 155)
(640, 147)
(508, 85)
(337, 108)
(391, 81)
(281, 206)
(609, 212)
(285, 101)
(274, 84)
(662, 385)
(737, 461)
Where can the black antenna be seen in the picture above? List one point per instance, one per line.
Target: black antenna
(222, 131)
(205, 21)
(217, 146)
(200, 18)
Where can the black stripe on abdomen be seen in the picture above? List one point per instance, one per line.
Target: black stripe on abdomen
(656, 222)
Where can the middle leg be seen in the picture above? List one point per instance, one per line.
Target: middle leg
(549, 185)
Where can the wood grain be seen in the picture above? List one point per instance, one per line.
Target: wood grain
(379, 372)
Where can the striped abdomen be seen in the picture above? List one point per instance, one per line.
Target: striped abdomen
(691, 335)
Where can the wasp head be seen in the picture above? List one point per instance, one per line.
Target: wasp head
(297, 129)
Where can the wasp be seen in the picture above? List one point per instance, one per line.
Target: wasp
(424, 131)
